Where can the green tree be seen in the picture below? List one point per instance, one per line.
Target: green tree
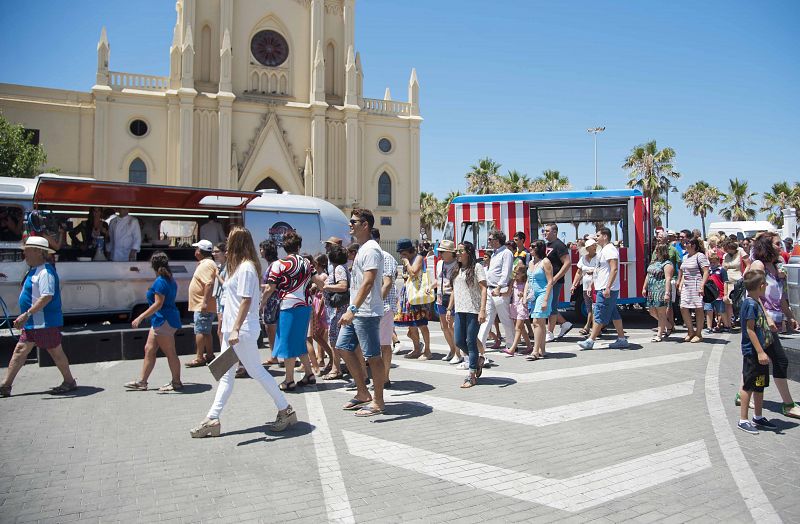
(18, 157)
(552, 180)
(781, 196)
(701, 198)
(652, 171)
(482, 177)
(432, 215)
(513, 182)
(739, 201)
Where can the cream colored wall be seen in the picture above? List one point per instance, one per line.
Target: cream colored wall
(65, 120)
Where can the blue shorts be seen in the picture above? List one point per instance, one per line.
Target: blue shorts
(202, 323)
(555, 297)
(364, 331)
(717, 306)
(605, 309)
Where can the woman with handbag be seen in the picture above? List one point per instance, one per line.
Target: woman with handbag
(337, 298)
(692, 279)
(416, 300)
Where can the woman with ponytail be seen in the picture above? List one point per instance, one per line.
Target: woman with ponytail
(165, 322)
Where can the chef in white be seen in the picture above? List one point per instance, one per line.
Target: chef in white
(126, 237)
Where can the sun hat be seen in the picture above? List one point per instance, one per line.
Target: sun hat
(204, 245)
(404, 244)
(447, 245)
(40, 243)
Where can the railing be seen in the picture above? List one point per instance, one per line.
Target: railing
(119, 80)
(387, 107)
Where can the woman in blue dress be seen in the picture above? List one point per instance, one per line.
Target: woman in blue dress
(166, 321)
(537, 291)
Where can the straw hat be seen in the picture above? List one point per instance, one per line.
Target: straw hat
(39, 243)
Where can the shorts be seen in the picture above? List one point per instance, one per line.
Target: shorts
(387, 328)
(555, 297)
(164, 330)
(202, 323)
(364, 331)
(588, 299)
(755, 376)
(43, 338)
(777, 355)
(441, 309)
(717, 306)
(605, 309)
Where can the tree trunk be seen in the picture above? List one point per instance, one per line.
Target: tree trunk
(703, 222)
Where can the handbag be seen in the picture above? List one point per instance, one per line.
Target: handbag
(710, 291)
(337, 299)
(418, 290)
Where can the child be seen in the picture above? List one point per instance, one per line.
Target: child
(519, 310)
(755, 363)
(719, 276)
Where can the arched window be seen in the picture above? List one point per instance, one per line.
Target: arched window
(330, 69)
(137, 172)
(205, 54)
(384, 190)
(269, 183)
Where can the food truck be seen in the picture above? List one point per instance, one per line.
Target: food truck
(170, 219)
(625, 211)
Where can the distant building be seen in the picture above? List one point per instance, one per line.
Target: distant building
(261, 94)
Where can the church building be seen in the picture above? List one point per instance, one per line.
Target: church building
(261, 94)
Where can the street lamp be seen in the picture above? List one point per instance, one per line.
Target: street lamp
(594, 131)
(669, 189)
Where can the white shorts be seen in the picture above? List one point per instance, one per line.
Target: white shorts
(387, 328)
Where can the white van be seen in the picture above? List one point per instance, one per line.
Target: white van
(170, 218)
(743, 229)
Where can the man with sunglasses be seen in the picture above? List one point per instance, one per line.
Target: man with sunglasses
(497, 276)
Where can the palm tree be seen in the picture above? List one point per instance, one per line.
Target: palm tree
(659, 208)
(701, 197)
(739, 201)
(779, 198)
(513, 182)
(596, 188)
(552, 180)
(429, 212)
(482, 177)
(651, 170)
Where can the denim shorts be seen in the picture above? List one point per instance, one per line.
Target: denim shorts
(202, 323)
(555, 298)
(717, 306)
(605, 309)
(365, 331)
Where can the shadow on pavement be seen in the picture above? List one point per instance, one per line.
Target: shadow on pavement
(298, 430)
(496, 381)
(192, 388)
(408, 387)
(556, 355)
(396, 411)
(82, 391)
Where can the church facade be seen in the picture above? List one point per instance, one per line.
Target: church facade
(261, 94)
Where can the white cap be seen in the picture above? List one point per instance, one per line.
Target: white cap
(590, 242)
(204, 245)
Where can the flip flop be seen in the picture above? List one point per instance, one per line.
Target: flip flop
(531, 358)
(369, 411)
(353, 404)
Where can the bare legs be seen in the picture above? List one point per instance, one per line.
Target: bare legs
(21, 354)
(539, 334)
(167, 345)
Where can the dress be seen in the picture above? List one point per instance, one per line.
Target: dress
(657, 284)
(537, 281)
(291, 277)
(518, 307)
(692, 268)
(412, 316)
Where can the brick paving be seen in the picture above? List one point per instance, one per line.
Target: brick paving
(111, 455)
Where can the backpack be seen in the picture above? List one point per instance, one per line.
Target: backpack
(710, 292)
(737, 295)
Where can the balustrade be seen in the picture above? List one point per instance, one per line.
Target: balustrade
(387, 107)
(119, 80)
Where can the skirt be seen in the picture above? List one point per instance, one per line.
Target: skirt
(333, 331)
(655, 293)
(690, 294)
(536, 303)
(290, 337)
(412, 316)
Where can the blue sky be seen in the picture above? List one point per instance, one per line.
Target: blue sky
(519, 81)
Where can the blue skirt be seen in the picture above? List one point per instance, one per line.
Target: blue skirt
(290, 336)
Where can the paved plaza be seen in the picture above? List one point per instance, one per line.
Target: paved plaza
(646, 434)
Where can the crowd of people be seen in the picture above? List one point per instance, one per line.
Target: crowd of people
(337, 313)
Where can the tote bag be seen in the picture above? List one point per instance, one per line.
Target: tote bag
(418, 290)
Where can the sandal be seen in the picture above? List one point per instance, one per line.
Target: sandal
(532, 358)
(172, 386)
(333, 376)
(210, 358)
(5, 391)
(196, 363)
(137, 385)
(508, 351)
(241, 373)
(327, 369)
(270, 362)
(354, 404)
(655, 338)
(583, 331)
(307, 380)
(64, 387)
(470, 381)
(696, 339)
(369, 411)
(481, 362)
(287, 386)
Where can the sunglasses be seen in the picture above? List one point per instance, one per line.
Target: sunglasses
(352, 221)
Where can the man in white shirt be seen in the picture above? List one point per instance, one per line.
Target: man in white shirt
(606, 283)
(213, 230)
(497, 276)
(125, 237)
(362, 320)
(389, 294)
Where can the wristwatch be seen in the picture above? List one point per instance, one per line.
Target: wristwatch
(352, 308)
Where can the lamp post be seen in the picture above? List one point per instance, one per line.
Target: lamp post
(594, 131)
(669, 189)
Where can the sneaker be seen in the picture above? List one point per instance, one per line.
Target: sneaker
(791, 410)
(549, 337)
(620, 343)
(397, 349)
(487, 362)
(458, 359)
(586, 344)
(564, 329)
(708, 331)
(748, 427)
(447, 358)
(764, 422)
(463, 365)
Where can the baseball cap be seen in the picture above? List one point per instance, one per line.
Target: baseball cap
(204, 245)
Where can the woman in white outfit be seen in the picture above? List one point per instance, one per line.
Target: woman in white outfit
(240, 330)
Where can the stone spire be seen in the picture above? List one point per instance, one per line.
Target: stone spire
(359, 78)
(175, 57)
(225, 64)
(387, 95)
(103, 52)
(308, 174)
(351, 77)
(413, 93)
(187, 60)
(318, 76)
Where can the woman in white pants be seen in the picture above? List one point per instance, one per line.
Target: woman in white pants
(240, 330)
